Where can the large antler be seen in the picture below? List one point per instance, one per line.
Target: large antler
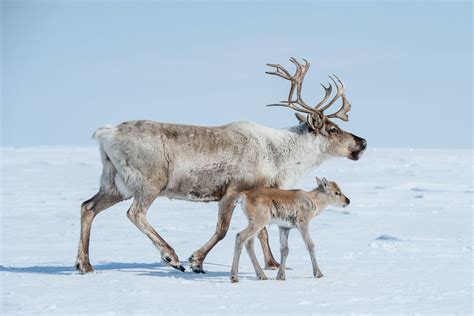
(346, 106)
(296, 82)
(317, 112)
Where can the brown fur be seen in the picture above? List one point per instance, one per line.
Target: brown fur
(289, 209)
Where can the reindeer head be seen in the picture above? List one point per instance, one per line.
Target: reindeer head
(337, 142)
(333, 192)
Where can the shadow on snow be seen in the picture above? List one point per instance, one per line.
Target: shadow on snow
(148, 269)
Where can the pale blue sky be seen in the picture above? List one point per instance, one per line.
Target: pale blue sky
(70, 67)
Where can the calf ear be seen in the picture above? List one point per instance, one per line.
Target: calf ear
(319, 182)
(325, 184)
(300, 118)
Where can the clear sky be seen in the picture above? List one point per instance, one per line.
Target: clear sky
(70, 67)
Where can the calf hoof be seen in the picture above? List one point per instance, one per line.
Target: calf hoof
(84, 268)
(234, 279)
(262, 277)
(319, 274)
(196, 264)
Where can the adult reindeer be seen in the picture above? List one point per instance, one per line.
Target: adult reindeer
(144, 159)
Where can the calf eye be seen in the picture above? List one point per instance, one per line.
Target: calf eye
(338, 193)
(333, 130)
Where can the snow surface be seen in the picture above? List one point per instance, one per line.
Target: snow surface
(404, 245)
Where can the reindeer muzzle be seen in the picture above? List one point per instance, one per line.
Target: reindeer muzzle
(357, 151)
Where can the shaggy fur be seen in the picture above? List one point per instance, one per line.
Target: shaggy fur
(146, 159)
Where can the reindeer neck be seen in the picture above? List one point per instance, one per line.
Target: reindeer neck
(300, 153)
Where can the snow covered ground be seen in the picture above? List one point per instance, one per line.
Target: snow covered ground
(404, 245)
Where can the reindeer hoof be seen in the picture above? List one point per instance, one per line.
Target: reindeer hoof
(84, 268)
(195, 265)
(318, 274)
(234, 279)
(262, 277)
(197, 269)
(281, 276)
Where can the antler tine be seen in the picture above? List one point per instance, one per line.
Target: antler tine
(342, 112)
(291, 106)
(327, 93)
(346, 106)
(340, 91)
(300, 69)
(280, 71)
(283, 73)
(297, 64)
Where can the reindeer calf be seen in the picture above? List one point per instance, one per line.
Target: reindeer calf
(288, 209)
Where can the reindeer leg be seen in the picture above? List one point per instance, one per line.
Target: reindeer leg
(270, 262)
(226, 208)
(137, 214)
(89, 209)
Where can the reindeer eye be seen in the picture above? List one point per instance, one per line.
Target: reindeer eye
(338, 193)
(333, 130)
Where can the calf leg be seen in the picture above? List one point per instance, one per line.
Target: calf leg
(270, 262)
(251, 252)
(240, 240)
(284, 232)
(137, 214)
(310, 247)
(226, 208)
(89, 209)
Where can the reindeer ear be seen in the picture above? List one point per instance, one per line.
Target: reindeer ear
(310, 121)
(300, 118)
(316, 123)
(319, 182)
(322, 128)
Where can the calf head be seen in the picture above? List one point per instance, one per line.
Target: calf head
(333, 193)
